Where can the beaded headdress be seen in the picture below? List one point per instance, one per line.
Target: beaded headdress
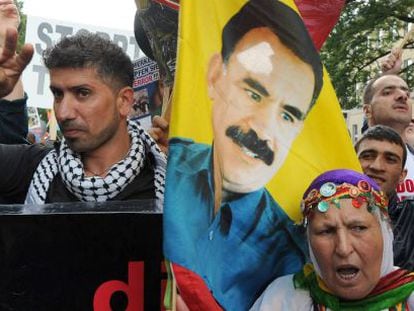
(332, 186)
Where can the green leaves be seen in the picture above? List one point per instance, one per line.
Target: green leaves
(366, 31)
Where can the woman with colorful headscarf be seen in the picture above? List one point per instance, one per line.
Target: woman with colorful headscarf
(350, 246)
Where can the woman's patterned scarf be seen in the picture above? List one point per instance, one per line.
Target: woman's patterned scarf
(391, 292)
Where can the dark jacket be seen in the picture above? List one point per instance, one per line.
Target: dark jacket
(13, 121)
(19, 162)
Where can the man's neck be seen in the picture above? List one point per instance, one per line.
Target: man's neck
(99, 161)
(396, 126)
(400, 130)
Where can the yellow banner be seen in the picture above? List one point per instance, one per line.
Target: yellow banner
(247, 138)
(322, 144)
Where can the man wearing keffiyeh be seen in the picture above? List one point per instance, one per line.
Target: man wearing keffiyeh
(103, 156)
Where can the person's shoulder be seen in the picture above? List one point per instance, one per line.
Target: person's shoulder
(188, 155)
(179, 145)
(283, 283)
(23, 152)
(282, 295)
(184, 142)
(410, 149)
(25, 148)
(38, 149)
(276, 215)
(274, 208)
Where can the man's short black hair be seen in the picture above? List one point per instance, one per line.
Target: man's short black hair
(285, 23)
(88, 50)
(383, 133)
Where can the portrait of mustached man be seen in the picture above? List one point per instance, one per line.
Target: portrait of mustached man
(222, 223)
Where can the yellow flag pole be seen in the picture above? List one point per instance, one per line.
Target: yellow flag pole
(142, 4)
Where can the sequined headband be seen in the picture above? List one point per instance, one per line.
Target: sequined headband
(329, 192)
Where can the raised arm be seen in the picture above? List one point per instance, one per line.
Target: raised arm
(391, 63)
(13, 114)
(11, 63)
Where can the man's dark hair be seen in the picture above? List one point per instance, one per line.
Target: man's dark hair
(383, 133)
(88, 50)
(285, 23)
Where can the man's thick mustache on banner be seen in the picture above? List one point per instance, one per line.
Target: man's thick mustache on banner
(251, 141)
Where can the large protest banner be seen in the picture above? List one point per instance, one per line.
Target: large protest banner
(81, 256)
(254, 120)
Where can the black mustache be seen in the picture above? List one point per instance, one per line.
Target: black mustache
(251, 141)
(69, 124)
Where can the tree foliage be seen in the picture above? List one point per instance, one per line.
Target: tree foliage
(366, 31)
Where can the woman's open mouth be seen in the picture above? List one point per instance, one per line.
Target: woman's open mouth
(347, 273)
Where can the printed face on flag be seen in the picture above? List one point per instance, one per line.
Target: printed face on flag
(260, 95)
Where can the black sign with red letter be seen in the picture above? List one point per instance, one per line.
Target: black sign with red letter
(81, 256)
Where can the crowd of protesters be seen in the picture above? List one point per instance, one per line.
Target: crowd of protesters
(103, 156)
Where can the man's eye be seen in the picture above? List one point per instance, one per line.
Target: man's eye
(366, 156)
(57, 94)
(83, 92)
(287, 117)
(392, 160)
(256, 97)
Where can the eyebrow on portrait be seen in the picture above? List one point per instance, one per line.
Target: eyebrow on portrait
(294, 111)
(254, 84)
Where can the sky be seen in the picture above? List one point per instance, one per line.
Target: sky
(117, 14)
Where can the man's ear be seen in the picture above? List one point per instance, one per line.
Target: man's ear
(125, 100)
(214, 72)
(367, 109)
(403, 175)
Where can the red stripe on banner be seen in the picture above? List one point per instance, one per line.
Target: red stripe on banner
(175, 5)
(194, 291)
(320, 17)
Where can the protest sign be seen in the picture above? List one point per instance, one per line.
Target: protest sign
(81, 256)
(147, 91)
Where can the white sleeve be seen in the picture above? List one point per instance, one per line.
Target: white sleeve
(410, 302)
(281, 295)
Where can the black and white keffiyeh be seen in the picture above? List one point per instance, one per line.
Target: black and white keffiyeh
(98, 189)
